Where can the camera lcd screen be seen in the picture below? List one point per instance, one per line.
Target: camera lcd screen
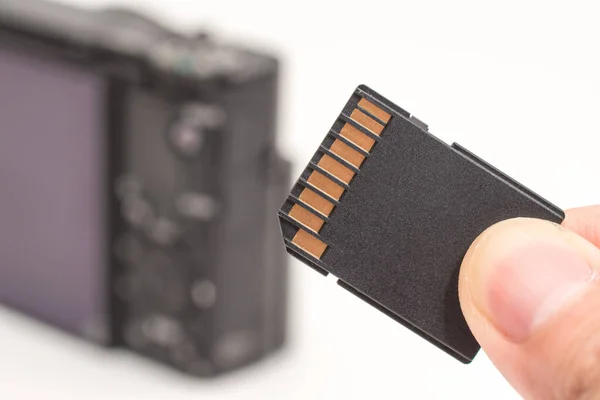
(52, 197)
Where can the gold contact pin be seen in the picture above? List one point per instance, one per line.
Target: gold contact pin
(316, 202)
(374, 110)
(366, 121)
(309, 243)
(347, 153)
(336, 168)
(306, 218)
(357, 137)
(325, 185)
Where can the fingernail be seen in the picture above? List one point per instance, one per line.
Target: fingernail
(528, 285)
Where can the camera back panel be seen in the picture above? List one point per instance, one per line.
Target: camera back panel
(192, 248)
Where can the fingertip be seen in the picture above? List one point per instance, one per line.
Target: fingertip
(585, 221)
(523, 283)
(470, 277)
(518, 271)
(478, 256)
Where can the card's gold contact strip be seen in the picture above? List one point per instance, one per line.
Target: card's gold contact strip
(374, 110)
(306, 218)
(347, 153)
(309, 243)
(357, 137)
(325, 185)
(316, 202)
(336, 168)
(366, 121)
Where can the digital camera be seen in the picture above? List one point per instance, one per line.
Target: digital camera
(139, 180)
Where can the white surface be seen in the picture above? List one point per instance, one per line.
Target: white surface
(517, 83)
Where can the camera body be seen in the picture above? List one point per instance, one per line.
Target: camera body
(139, 172)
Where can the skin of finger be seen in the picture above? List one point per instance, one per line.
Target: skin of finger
(585, 221)
(525, 365)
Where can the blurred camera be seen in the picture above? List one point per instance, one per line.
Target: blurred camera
(139, 177)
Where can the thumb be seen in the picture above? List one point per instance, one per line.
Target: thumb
(530, 293)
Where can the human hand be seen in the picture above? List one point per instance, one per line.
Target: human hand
(530, 292)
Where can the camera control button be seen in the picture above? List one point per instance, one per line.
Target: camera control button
(196, 206)
(137, 212)
(204, 294)
(208, 116)
(187, 133)
(162, 330)
(234, 348)
(186, 138)
(164, 232)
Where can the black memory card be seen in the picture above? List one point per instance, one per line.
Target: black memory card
(391, 210)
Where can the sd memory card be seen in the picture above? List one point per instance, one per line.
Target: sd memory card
(391, 210)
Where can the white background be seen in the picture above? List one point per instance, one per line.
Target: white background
(516, 82)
